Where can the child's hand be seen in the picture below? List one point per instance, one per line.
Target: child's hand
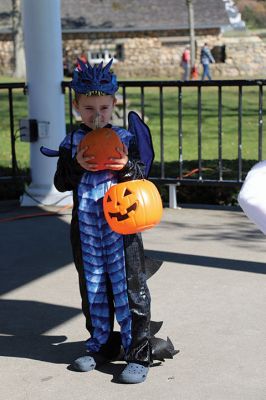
(118, 163)
(83, 161)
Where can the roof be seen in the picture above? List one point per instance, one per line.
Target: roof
(124, 15)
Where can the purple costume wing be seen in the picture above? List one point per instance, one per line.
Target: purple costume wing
(144, 140)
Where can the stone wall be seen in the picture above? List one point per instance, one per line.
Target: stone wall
(245, 57)
(146, 58)
(143, 58)
(151, 57)
(6, 55)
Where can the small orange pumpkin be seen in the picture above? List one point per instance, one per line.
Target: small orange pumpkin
(102, 144)
(132, 206)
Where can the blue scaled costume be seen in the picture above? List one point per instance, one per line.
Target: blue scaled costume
(112, 268)
(102, 250)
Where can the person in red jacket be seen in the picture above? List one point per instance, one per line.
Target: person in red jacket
(185, 63)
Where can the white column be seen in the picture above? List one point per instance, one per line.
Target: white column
(44, 67)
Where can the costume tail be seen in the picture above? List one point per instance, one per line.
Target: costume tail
(160, 348)
(151, 266)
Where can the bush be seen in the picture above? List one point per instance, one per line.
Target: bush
(11, 188)
(253, 12)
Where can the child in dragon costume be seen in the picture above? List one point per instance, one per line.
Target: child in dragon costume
(112, 268)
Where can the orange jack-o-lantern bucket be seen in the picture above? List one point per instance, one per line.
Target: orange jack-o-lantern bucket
(132, 206)
(102, 144)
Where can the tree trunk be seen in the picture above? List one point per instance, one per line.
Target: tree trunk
(191, 31)
(19, 70)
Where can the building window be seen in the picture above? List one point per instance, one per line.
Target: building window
(219, 54)
(116, 53)
(120, 52)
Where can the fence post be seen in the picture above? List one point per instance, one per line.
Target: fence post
(172, 195)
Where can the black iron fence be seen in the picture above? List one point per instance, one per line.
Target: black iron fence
(176, 95)
(8, 93)
(239, 100)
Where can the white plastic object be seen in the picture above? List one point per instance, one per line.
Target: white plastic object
(252, 196)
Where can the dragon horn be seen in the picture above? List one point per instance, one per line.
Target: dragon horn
(108, 66)
(99, 68)
(81, 64)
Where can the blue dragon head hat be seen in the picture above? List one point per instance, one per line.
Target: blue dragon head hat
(96, 80)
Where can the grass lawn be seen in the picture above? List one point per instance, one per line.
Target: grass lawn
(170, 123)
(209, 122)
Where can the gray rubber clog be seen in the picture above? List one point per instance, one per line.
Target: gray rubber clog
(89, 362)
(133, 373)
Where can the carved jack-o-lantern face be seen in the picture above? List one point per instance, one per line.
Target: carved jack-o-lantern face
(132, 206)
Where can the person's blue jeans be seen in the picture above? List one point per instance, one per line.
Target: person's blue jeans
(186, 73)
(206, 72)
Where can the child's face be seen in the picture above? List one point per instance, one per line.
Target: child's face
(92, 108)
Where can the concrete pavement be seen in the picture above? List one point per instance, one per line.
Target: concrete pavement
(210, 293)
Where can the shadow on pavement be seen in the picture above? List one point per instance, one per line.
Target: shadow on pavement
(32, 248)
(23, 326)
(205, 261)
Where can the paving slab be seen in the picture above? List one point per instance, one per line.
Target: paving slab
(210, 292)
